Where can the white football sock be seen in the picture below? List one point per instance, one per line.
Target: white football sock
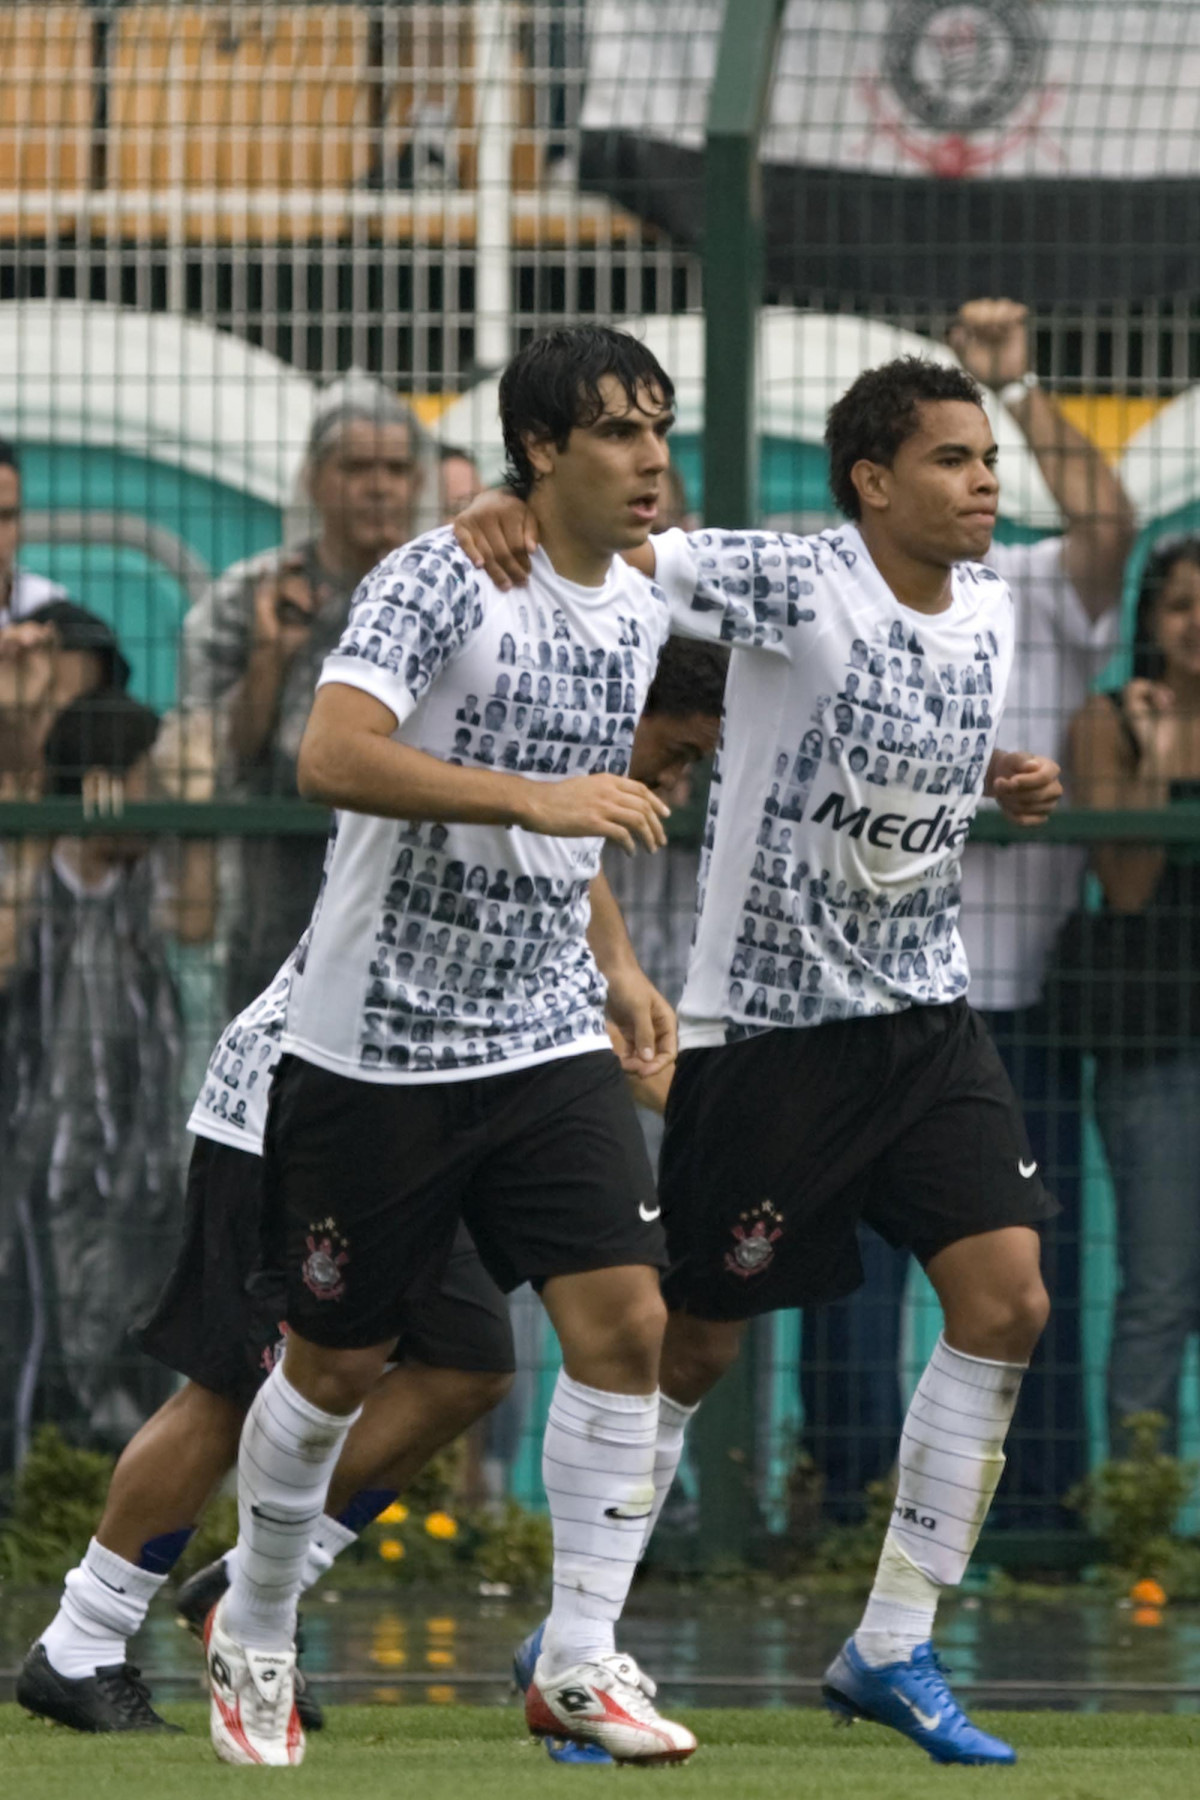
(951, 1458)
(105, 1600)
(668, 1453)
(288, 1452)
(324, 1547)
(598, 1467)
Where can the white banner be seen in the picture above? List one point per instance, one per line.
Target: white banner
(1018, 88)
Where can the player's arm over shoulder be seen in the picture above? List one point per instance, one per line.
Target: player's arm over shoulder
(751, 589)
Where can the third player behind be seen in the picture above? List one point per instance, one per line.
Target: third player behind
(876, 1094)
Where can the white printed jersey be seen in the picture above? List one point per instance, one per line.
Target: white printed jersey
(442, 951)
(232, 1103)
(855, 743)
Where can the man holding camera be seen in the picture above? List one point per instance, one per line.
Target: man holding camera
(253, 646)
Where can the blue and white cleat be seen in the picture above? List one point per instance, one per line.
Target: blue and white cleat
(525, 1657)
(559, 1750)
(912, 1698)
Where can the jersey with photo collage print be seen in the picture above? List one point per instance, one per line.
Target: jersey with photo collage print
(854, 748)
(231, 1106)
(443, 951)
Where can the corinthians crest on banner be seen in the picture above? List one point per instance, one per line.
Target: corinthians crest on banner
(950, 87)
(958, 72)
(926, 150)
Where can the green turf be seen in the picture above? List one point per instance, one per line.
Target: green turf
(480, 1753)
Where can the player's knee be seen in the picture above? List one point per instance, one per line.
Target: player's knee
(623, 1347)
(477, 1391)
(1032, 1310)
(334, 1381)
(696, 1355)
(1005, 1325)
(644, 1322)
(1022, 1315)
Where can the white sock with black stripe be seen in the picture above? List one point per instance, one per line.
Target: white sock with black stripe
(951, 1458)
(673, 1421)
(288, 1453)
(598, 1468)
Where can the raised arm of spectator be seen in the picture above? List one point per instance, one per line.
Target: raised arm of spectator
(1123, 755)
(238, 641)
(27, 705)
(183, 764)
(991, 339)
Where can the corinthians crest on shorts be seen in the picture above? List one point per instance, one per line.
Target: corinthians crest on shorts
(327, 1256)
(755, 1236)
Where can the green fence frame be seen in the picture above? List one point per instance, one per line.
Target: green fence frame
(723, 1436)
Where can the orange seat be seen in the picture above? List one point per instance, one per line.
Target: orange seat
(45, 114)
(213, 100)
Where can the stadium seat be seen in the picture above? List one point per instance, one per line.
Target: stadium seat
(45, 114)
(252, 101)
(278, 122)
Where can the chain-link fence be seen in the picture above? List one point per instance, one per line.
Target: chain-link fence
(227, 229)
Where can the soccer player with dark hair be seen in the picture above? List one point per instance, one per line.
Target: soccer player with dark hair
(886, 1100)
(386, 1131)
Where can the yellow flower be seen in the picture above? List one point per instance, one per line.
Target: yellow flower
(441, 1525)
(391, 1549)
(395, 1514)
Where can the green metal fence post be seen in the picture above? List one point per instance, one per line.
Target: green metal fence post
(733, 282)
(733, 255)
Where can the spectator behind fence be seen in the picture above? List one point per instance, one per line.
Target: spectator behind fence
(458, 481)
(1130, 977)
(21, 591)
(253, 647)
(48, 660)
(90, 1203)
(1066, 590)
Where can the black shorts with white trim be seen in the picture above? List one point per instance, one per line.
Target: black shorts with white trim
(777, 1145)
(367, 1183)
(219, 1319)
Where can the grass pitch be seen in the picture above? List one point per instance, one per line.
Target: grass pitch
(481, 1753)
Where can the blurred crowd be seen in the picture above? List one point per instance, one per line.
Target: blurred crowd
(1083, 964)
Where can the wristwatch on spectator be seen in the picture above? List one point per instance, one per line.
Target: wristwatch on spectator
(1014, 392)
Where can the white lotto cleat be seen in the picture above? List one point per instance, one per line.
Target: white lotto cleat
(253, 1716)
(606, 1702)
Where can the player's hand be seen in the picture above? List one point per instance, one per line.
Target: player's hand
(991, 340)
(608, 806)
(641, 1026)
(1027, 787)
(284, 610)
(499, 533)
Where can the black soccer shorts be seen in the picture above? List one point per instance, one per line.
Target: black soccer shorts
(777, 1145)
(367, 1183)
(219, 1320)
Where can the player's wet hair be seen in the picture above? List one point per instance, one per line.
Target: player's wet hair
(552, 386)
(879, 412)
(690, 678)
(8, 456)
